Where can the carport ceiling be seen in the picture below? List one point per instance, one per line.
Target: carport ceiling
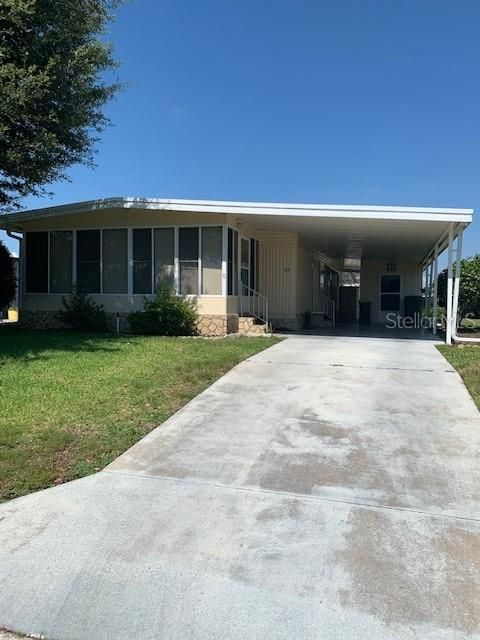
(347, 238)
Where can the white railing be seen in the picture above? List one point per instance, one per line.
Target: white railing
(324, 305)
(253, 303)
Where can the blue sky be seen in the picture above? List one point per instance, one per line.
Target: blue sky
(345, 101)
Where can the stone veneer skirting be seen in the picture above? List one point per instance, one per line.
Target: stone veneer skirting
(208, 325)
(290, 324)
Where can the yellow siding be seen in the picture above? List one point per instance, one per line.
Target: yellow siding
(113, 303)
(232, 304)
(125, 218)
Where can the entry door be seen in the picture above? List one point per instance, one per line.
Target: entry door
(390, 295)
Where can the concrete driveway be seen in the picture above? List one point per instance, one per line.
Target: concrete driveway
(327, 488)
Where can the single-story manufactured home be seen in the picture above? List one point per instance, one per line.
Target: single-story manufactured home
(245, 265)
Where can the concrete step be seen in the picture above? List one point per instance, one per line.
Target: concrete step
(247, 325)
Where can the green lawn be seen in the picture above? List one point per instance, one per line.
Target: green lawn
(466, 360)
(70, 403)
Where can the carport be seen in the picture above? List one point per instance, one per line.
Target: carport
(390, 247)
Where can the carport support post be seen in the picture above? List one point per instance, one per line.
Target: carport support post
(435, 290)
(456, 287)
(425, 275)
(448, 338)
(429, 288)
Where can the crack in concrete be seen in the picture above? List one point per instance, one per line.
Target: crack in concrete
(290, 494)
(348, 366)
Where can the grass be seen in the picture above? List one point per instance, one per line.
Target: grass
(466, 360)
(70, 403)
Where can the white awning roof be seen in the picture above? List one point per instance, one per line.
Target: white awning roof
(346, 232)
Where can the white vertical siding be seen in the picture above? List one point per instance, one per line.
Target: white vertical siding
(304, 280)
(371, 270)
(278, 272)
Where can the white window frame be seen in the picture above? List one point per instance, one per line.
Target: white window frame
(130, 229)
(192, 296)
(380, 294)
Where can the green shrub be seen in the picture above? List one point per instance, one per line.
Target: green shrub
(165, 315)
(80, 312)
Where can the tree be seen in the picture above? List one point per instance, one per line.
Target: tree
(8, 280)
(469, 295)
(53, 86)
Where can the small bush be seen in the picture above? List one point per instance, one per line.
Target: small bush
(80, 312)
(165, 315)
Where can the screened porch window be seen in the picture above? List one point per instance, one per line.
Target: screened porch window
(188, 260)
(232, 263)
(88, 261)
(36, 262)
(212, 260)
(164, 251)
(115, 260)
(245, 265)
(254, 266)
(61, 243)
(142, 261)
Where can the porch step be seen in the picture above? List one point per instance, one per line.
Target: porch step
(320, 320)
(248, 325)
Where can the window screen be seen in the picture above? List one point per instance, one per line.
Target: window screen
(142, 261)
(164, 257)
(390, 284)
(88, 261)
(188, 260)
(254, 264)
(390, 293)
(245, 266)
(212, 260)
(36, 258)
(115, 260)
(232, 263)
(61, 261)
